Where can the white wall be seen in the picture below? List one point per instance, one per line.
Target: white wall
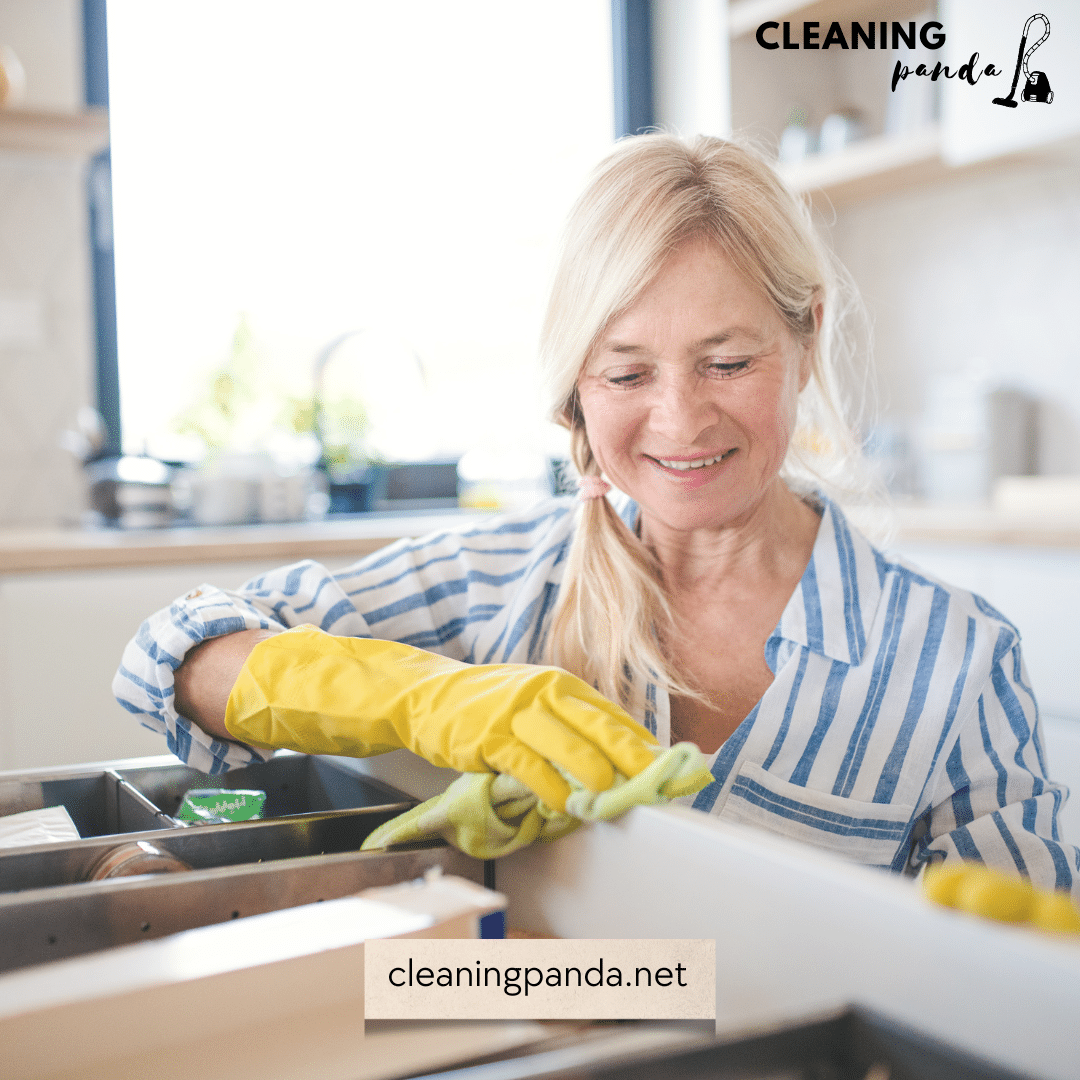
(980, 267)
(690, 66)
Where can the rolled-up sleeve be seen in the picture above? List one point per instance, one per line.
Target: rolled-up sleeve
(481, 594)
(994, 801)
(305, 592)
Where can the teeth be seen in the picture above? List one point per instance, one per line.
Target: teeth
(683, 466)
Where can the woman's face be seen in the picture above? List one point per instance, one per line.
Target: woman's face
(689, 398)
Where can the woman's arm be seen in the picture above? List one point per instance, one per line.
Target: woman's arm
(317, 693)
(478, 595)
(145, 684)
(205, 679)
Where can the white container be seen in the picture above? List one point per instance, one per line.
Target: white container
(225, 491)
(283, 495)
(971, 434)
(239, 489)
(224, 500)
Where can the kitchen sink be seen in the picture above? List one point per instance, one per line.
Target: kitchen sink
(40, 925)
(141, 794)
(294, 784)
(63, 899)
(98, 801)
(200, 847)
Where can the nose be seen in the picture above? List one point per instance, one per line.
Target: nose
(682, 410)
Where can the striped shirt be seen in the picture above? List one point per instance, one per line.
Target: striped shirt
(900, 726)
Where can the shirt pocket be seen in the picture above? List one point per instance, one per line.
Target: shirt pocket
(868, 833)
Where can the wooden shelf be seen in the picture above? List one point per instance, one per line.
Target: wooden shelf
(870, 167)
(894, 163)
(745, 16)
(30, 131)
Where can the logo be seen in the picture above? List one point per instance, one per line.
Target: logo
(931, 35)
(1036, 84)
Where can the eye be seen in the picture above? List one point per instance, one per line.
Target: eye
(725, 369)
(625, 376)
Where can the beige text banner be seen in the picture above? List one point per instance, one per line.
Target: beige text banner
(586, 979)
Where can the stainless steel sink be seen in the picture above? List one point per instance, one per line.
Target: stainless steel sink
(140, 794)
(202, 847)
(294, 784)
(320, 810)
(98, 800)
(40, 925)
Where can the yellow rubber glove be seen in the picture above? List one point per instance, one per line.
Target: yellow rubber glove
(979, 890)
(319, 694)
(488, 816)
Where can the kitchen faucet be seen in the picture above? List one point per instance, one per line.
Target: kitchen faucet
(322, 358)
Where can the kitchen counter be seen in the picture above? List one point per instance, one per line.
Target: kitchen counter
(25, 550)
(28, 550)
(984, 525)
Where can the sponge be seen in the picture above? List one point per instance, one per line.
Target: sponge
(978, 890)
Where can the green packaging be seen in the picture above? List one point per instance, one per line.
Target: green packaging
(217, 805)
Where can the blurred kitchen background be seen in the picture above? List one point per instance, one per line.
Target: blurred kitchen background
(331, 228)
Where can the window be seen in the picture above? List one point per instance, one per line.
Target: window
(285, 173)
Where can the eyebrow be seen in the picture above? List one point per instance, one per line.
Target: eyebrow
(722, 338)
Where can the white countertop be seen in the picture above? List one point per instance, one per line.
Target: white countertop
(24, 550)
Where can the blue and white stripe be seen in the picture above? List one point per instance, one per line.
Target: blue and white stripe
(900, 725)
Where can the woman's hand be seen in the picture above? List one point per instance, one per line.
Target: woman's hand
(317, 693)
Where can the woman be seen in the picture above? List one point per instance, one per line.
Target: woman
(844, 698)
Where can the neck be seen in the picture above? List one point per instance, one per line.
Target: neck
(772, 539)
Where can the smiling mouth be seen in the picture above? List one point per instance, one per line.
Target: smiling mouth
(695, 463)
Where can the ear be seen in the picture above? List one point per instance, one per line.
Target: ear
(808, 352)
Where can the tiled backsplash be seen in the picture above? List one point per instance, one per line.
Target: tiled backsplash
(45, 335)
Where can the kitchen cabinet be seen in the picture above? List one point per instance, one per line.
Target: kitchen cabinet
(70, 601)
(798, 932)
(61, 638)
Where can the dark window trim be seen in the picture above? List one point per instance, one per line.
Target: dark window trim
(631, 40)
(102, 262)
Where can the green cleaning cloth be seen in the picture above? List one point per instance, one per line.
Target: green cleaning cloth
(488, 815)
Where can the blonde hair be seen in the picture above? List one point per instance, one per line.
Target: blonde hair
(653, 194)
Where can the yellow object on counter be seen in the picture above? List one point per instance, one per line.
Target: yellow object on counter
(978, 890)
(490, 816)
(322, 694)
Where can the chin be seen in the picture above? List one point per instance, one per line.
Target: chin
(693, 512)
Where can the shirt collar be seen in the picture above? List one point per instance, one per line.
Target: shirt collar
(832, 609)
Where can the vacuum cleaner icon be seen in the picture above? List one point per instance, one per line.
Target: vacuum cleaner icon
(1036, 84)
